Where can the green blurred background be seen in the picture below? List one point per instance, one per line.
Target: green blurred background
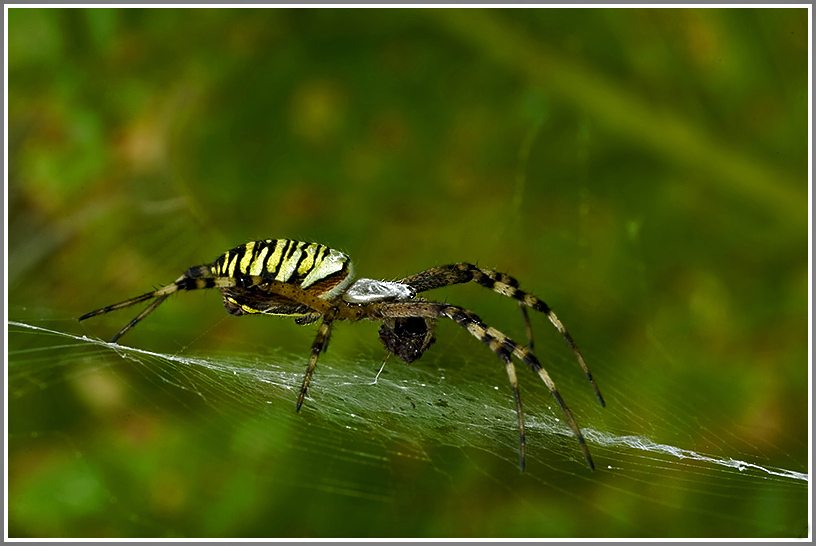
(644, 171)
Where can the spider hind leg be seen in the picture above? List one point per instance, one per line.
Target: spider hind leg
(160, 295)
(195, 278)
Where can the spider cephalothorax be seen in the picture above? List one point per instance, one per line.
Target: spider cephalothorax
(308, 281)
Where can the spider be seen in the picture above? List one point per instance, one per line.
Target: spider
(309, 281)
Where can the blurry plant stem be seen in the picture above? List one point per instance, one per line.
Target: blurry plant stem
(523, 159)
(667, 133)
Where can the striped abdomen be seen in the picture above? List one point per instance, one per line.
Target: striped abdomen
(313, 267)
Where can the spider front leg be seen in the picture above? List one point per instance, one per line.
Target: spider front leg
(447, 275)
(503, 346)
(506, 285)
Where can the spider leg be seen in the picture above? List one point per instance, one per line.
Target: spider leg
(163, 291)
(502, 345)
(319, 346)
(447, 275)
(149, 309)
(506, 285)
(192, 279)
(511, 374)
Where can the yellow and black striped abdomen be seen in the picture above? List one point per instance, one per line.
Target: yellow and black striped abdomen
(310, 266)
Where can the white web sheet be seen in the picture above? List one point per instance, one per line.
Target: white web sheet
(417, 413)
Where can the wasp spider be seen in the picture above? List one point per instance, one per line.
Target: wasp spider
(309, 281)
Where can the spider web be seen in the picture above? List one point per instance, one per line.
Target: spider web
(440, 419)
